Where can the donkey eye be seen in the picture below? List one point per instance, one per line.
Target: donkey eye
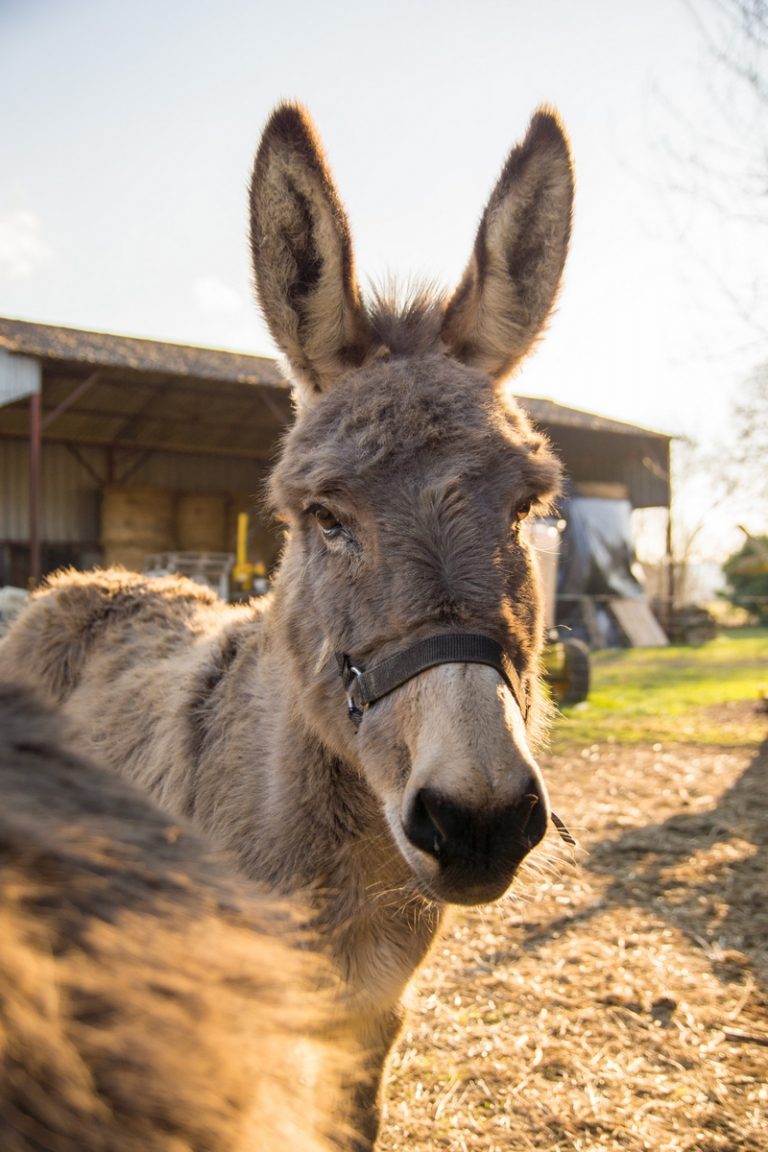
(329, 525)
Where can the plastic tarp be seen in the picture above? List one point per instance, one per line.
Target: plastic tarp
(597, 552)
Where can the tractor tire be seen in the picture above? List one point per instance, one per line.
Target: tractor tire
(576, 672)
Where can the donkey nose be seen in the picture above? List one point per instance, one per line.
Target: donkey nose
(455, 834)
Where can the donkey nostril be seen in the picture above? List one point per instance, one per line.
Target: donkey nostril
(533, 817)
(424, 827)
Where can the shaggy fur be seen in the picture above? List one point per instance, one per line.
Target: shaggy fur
(148, 1001)
(402, 482)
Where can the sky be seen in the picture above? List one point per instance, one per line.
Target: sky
(129, 130)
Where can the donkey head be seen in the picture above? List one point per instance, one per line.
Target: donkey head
(404, 481)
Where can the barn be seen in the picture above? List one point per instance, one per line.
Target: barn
(112, 446)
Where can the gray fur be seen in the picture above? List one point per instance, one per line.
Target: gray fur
(149, 1001)
(236, 716)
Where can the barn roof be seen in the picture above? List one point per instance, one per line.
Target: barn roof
(604, 454)
(124, 392)
(548, 412)
(56, 344)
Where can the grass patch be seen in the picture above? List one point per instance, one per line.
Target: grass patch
(673, 695)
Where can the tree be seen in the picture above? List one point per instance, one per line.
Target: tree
(723, 163)
(747, 575)
(736, 34)
(750, 453)
(716, 180)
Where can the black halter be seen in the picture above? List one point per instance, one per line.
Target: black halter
(365, 686)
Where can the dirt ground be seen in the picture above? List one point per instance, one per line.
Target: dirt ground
(618, 999)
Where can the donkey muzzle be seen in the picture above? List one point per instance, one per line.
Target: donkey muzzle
(453, 833)
(477, 852)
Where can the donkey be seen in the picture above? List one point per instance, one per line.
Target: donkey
(363, 733)
(149, 1001)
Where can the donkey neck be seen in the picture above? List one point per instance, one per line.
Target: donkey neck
(340, 848)
(296, 778)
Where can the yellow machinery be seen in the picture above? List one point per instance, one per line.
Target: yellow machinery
(249, 578)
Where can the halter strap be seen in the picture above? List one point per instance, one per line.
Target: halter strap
(366, 686)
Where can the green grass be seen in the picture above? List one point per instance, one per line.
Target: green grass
(673, 695)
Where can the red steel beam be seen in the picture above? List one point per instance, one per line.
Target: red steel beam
(35, 439)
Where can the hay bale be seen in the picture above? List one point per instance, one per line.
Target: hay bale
(137, 512)
(201, 522)
(130, 556)
(136, 520)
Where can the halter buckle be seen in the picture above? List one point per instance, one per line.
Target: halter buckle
(355, 708)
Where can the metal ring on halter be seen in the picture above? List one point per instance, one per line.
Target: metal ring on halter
(355, 709)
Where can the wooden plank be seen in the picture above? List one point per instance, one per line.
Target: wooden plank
(638, 623)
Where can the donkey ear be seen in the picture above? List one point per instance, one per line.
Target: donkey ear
(302, 253)
(510, 284)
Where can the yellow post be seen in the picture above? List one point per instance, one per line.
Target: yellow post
(242, 573)
(242, 539)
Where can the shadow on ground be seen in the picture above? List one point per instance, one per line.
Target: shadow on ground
(704, 872)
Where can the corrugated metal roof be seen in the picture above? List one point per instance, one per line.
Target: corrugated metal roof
(558, 415)
(120, 392)
(597, 449)
(75, 346)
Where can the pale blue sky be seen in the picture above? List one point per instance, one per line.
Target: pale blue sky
(129, 128)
